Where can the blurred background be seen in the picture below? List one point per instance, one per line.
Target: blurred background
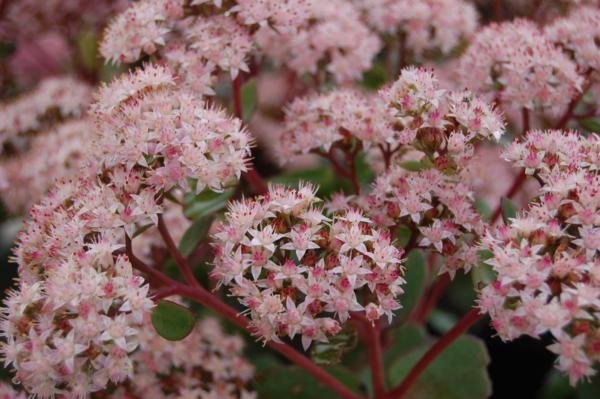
(44, 38)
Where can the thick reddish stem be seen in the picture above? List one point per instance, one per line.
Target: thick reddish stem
(401, 54)
(526, 120)
(205, 298)
(351, 176)
(184, 267)
(252, 177)
(498, 11)
(514, 189)
(256, 182)
(373, 341)
(435, 293)
(463, 325)
(562, 122)
(138, 264)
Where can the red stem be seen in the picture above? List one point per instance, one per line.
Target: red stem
(525, 117)
(435, 293)
(144, 268)
(373, 341)
(351, 176)
(498, 11)
(184, 267)
(252, 177)
(401, 54)
(441, 344)
(562, 122)
(256, 182)
(514, 189)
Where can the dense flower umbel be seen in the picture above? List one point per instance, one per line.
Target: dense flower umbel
(334, 37)
(54, 100)
(142, 28)
(320, 121)
(298, 271)
(578, 34)
(159, 137)
(546, 259)
(208, 363)
(438, 130)
(282, 15)
(437, 207)
(76, 313)
(518, 63)
(426, 25)
(53, 155)
(218, 41)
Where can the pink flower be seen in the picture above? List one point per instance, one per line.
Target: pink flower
(308, 275)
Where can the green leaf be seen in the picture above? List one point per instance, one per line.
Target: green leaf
(172, 321)
(403, 340)
(591, 124)
(294, 382)
(442, 321)
(142, 229)
(110, 71)
(557, 387)
(6, 49)
(459, 372)
(415, 276)
(509, 209)
(403, 234)
(249, 98)
(196, 232)
(483, 274)
(330, 353)
(413, 166)
(483, 208)
(206, 203)
(87, 49)
(375, 77)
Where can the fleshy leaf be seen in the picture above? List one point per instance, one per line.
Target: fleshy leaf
(172, 321)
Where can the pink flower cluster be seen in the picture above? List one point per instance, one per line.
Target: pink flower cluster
(438, 130)
(152, 137)
(424, 25)
(320, 121)
(78, 309)
(74, 318)
(54, 100)
(218, 41)
(521, 66)
(437, 208)
(299, 271)
(334, 38)
(208, 363)
(577, 34)
(55, 154)
(141, 28)
(414, 108)
(279, 14)
(546, 259)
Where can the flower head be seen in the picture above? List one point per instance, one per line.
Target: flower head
(298, 274)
